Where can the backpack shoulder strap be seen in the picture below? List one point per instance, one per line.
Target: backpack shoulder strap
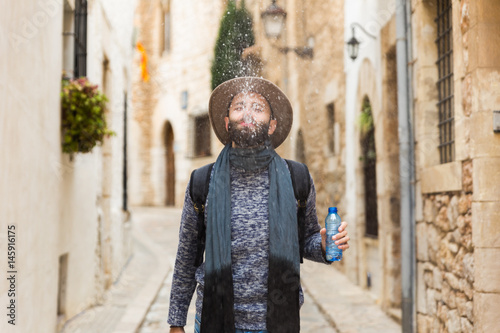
(198, 186)
(198, 189)
(301, 182)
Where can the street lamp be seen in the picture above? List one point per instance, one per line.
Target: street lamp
(353, 43)
(274, 18)
(353, 46)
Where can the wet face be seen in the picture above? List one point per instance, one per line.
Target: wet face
(249, 122)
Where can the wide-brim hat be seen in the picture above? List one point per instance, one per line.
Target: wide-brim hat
(223, 95)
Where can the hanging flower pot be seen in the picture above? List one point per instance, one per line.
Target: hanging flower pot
(83, 116)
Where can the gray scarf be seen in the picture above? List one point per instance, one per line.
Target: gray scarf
(284, 258)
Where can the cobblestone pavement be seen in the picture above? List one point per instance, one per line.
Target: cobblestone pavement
(312, 321)
(138, 301)
(125, 304)
(332, 303)
(155, 322)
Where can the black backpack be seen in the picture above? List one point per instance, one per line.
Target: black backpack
(199, 185)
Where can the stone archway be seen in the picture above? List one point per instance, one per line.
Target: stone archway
(368, 158)
(370, 273)
(168, 139)
(379, 249)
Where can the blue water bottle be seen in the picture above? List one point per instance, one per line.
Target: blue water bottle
(332, 224)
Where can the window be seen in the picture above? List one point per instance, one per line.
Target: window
(68, 45)
(80, 38)
(202, 136)
(444, 63)
(75, 39)
(330, 113)
(124, 172)
(300, 149)
(166, 28)
(63, 279)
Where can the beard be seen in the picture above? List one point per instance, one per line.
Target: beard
(248, 137)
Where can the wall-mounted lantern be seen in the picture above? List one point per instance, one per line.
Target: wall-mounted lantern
(353, 43)
(274, 18)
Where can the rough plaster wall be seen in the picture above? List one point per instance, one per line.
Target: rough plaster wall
(51, 199)
(30, 159)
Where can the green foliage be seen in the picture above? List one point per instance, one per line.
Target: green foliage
(365, 120)
(367, 129)
(235, 35)
(83, 116)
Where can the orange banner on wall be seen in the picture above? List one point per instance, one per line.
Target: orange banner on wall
(144, 62)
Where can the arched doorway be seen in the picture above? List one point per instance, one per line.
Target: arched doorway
(168, 136)
(377, 223)
(369, 159)
(371, 255)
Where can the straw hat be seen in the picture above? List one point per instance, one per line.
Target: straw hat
(223, 95)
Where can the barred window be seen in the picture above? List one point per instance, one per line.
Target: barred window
(80, 38)
(444, 63)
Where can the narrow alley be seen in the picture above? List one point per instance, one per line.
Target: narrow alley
(138, 301)
(393, 107)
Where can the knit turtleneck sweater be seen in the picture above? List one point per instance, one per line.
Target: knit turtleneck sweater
(249, 251)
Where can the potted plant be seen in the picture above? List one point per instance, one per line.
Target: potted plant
(83, 116)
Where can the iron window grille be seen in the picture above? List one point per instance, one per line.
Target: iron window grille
(80, 35)
(445, 87)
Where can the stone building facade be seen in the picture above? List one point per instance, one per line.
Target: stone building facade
(171, 134)
(327, 92)
(456, 206)
(454, 66)
(458, 221)
(72, 227)
(175, 100)
(372, 176)
(315, 86)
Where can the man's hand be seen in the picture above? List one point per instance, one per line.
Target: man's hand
(341, 238)
(177, 329)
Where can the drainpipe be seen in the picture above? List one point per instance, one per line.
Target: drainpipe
(406, 163)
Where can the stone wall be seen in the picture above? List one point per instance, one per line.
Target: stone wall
(321, 82)
(144, 100)
(457, 231)
(183, 68)
(445, 264)
(311, 84)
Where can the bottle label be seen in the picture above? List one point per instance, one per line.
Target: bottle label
(332, 222)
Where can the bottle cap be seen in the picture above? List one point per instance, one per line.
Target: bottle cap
(332, 210)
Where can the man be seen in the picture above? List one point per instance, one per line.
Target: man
(249, 281)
